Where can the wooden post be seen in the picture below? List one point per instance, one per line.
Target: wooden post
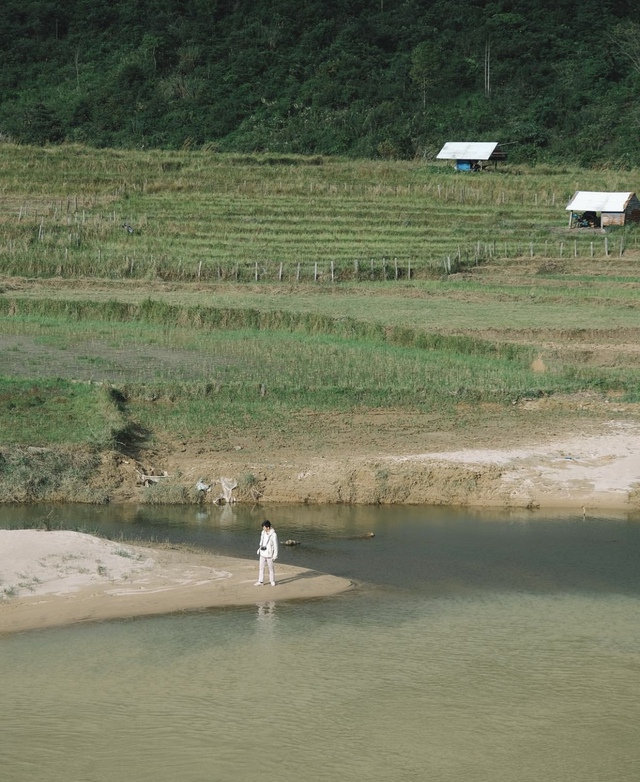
(409, 270)
(606, 246)
(280, 273)
(298, 272)
(561, 249)
(395, 263)
(199, 270)
(333, 279)
(256, 272)
(592, 249)
(575, 248)
(621, 245)
(315, 271)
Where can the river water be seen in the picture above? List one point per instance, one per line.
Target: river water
(478, 647)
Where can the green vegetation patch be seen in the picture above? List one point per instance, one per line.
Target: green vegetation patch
(44, 412)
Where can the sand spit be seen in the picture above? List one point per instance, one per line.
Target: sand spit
(55, 578)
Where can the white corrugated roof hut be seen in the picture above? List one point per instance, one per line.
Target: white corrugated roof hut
(613, 208)
(469, 152)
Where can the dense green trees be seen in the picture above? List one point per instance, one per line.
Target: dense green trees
(364, 77)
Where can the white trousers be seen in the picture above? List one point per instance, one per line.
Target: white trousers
(272, 573)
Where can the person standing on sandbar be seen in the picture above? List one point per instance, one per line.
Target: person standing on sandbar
(268, 553)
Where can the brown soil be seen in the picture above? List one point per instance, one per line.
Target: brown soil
(510, 460)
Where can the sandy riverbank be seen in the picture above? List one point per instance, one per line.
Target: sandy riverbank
(56, 578)
(598, 469)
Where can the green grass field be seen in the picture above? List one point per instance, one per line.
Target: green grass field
(198, 216)
(255, 289)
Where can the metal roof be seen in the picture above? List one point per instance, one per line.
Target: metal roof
(586, 201)
(467, 150)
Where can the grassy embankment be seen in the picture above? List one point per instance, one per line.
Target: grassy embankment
(173, 317)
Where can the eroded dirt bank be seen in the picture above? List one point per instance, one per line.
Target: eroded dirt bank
(600, 469)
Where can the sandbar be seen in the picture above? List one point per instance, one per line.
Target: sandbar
(55, 578)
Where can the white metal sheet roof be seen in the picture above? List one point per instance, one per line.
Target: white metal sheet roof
(467, 150)
(587, 201)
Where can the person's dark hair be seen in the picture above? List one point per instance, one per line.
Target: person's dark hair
(266, 524)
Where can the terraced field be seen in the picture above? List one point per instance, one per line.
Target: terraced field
(71, 212)
(183, 306)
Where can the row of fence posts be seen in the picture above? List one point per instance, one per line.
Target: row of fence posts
(483, 250)
(489, 251)
(317, 274)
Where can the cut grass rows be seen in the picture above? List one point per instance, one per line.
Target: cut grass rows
(193, 213)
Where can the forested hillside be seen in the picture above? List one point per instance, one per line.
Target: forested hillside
(368, 78)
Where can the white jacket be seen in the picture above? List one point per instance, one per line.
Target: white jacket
(270, 540)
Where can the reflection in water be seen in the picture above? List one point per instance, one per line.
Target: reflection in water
(267, 611)
(484, 649)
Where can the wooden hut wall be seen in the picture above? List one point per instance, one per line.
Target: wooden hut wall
(631, 214)
(633, 210)
(612, 218)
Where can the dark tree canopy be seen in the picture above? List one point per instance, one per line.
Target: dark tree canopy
(375, 78)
